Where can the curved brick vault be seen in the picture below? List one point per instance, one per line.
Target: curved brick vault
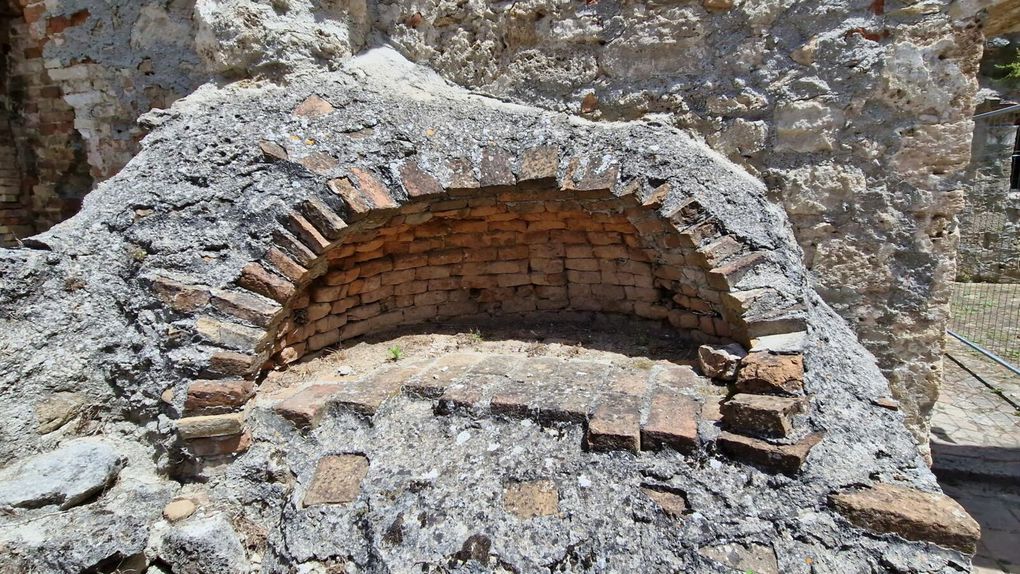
(262, 224)
(516, 232)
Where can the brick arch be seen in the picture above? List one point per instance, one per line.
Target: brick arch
(504, 235)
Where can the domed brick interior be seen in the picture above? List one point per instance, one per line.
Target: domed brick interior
(522, 250)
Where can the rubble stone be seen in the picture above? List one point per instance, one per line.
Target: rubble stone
(720, 361)
(769, 373)
(910, 513)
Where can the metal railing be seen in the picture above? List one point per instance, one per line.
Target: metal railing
(985, 301)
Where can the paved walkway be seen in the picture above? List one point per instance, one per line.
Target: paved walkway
(976, 449)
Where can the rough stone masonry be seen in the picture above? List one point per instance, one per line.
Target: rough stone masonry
(855, 113)
(159, 319)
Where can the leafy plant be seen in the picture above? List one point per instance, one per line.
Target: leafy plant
(396, 353)
(1013, 68)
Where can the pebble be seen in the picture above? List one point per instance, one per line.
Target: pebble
(179, 509)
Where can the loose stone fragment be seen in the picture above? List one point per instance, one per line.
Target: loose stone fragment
(531, 499)
(199, 546)
(67, 476)
(761, 414)
(768, 373)
(178, 509)
(910, 513)
(752, 558)
(55, 410)
(720, 361)
(313, 107)
(782, 458)
(337, 480)
(615, 425)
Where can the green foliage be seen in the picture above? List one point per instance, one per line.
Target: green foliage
(396, 353)
(1013, 68)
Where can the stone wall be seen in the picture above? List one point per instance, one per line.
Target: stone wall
(855, 113)
(78, 75)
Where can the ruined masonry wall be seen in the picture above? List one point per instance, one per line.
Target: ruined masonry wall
(856, 114)
(79, 75)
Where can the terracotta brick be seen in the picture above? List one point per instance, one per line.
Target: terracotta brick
(245, 306)
(306, 407)
(546, 225)
(221, 445)
(540, 163)
(328, 294)
(411, 288)
(546, 265)
(584, 277)
(499, 267)
(364, 312)
(254, 277)
(580, 251)
(581, 264)
(417, 182)
(209, 397)
(344, 304)
(375, 267)
(469, 226)
(286, 265)
(426, 273)
(547, 250)
(672, 422)
(787, 459)
(179, 296)
(230, 364)
(323, 340)
(339, 278)
(445, 284)
(517, 226)
(615, 425)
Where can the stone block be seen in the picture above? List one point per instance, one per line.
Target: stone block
(496, 168)
(337, 480)
(531, 499)
(721, 361)
(540, 163)
(210, 425)
(769, 373)
(910, 513)
(761, 414)
(785, 458)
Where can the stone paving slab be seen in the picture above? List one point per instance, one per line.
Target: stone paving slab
(975, 431)
(975, 444)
